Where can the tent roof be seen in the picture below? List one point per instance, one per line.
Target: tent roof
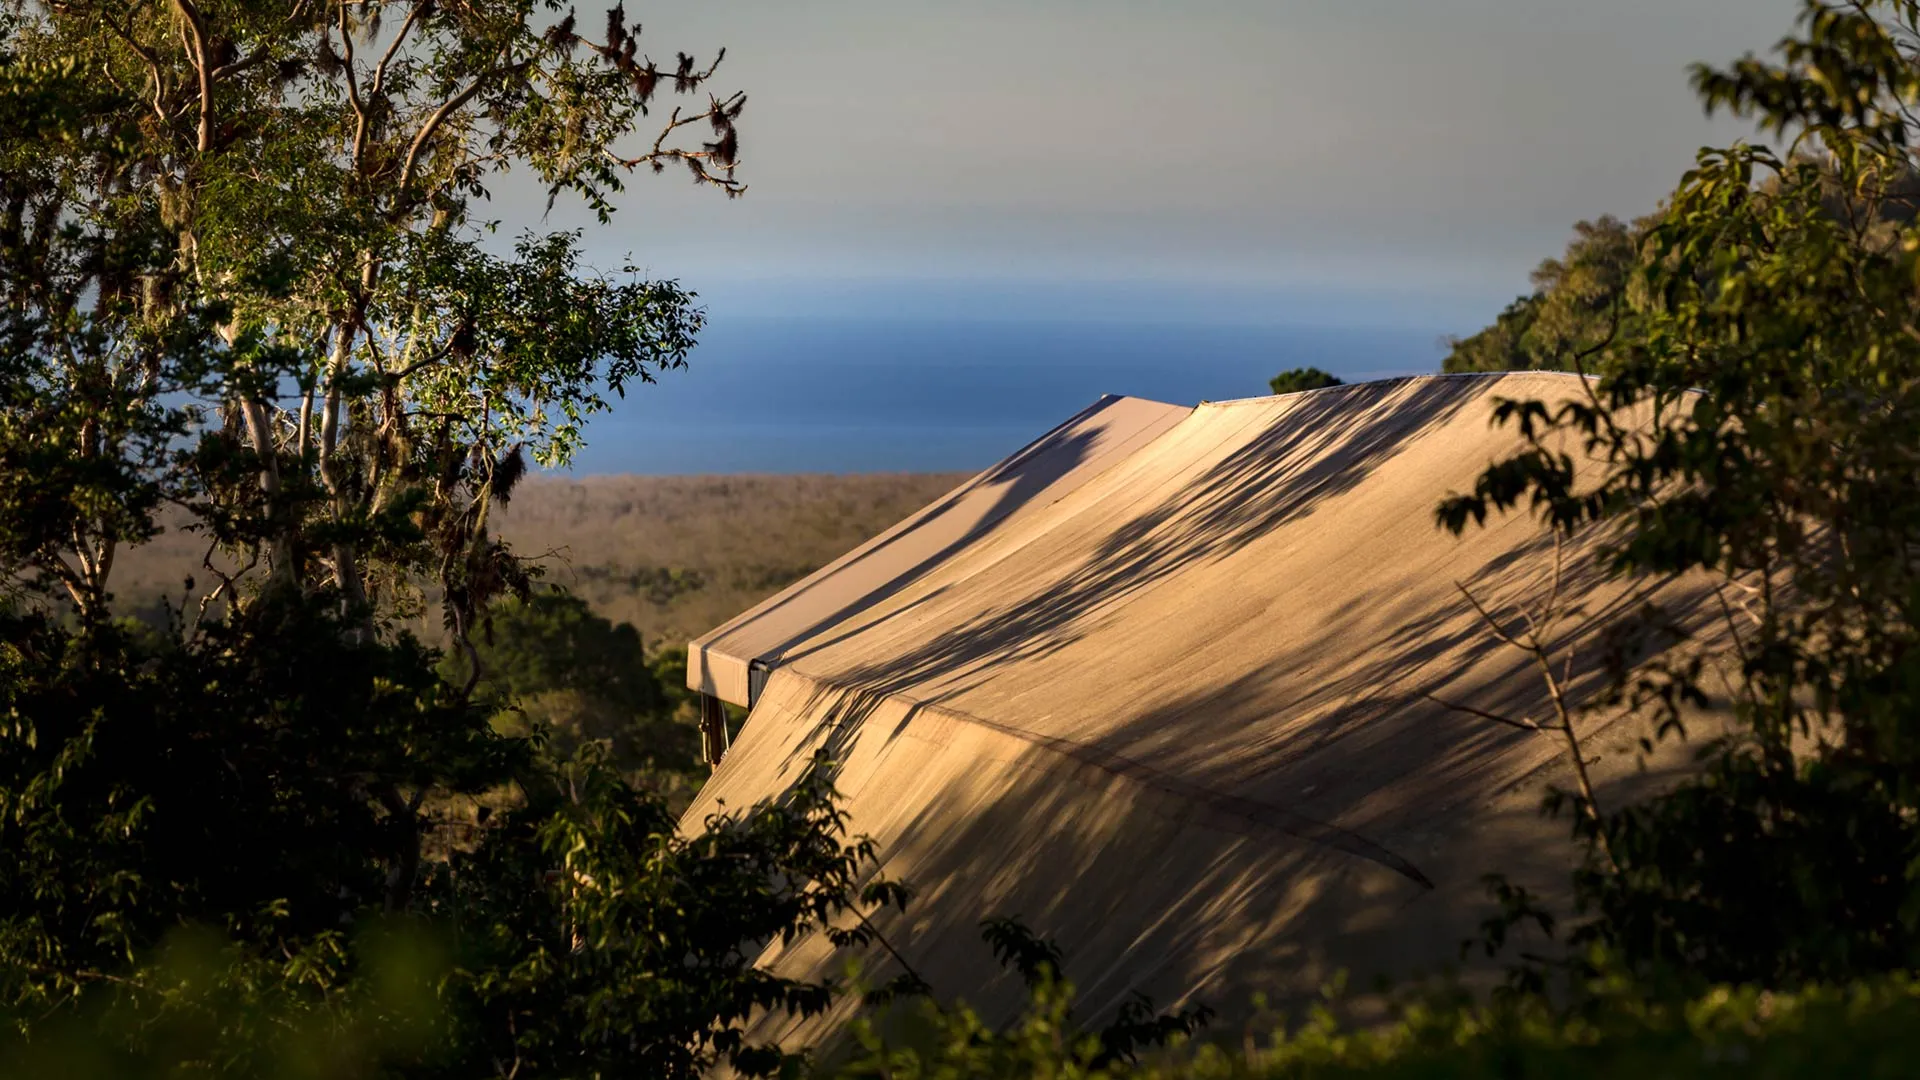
(1175, 711)
(1056, 463)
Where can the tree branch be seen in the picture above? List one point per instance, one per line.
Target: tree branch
(1485, 615)
(253, 59)
(386, 58)
(353, 91)
(196, 26)
(146, 54)
(1523, 723)
(445, 110)
(712, 165)
(1542, 658)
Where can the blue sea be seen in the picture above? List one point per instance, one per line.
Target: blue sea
(805, 394)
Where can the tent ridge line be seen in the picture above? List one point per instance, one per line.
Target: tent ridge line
(1234, 809)
(1430, 376)
(978, 480)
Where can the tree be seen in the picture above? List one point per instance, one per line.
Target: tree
(1503, 346)
(1297, 379)
(634, 952)
(256, 778)
(245, 281)
(1581, 301)
(241, 276)
(549, 662)
(1777, 372)
(272, 207)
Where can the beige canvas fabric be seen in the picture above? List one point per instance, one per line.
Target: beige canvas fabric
(1107, 431)
(1178, 717)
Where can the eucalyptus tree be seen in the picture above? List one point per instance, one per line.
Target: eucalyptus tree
(247, 271)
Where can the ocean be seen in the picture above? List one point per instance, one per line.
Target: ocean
(787, 394)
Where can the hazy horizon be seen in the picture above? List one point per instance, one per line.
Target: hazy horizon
(1365, 167)
(926, 395)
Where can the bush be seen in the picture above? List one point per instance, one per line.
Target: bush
(1298, 379)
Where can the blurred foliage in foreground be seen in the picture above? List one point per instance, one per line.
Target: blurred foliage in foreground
(1865, 1029)
(198, 874)
(205, 1008)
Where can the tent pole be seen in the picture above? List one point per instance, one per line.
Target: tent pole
(713, 730)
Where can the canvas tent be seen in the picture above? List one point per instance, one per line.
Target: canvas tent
(1163, 685)
(731, 662)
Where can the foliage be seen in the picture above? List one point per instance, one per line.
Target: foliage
(1582, 302)
(549, 663)
(1503, 346)
(553, 641)
(1861, 1029)
(264, 780)
(1045, 1040)
(255, 778)
(204, 1007)
(635, 952)
(242, 272)
(1618, 1030)
(1778, 378)
(581, 935)
(1294, 380)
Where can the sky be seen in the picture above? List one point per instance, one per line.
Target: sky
(1386, 162)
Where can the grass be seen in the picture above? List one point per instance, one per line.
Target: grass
(673, 555)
